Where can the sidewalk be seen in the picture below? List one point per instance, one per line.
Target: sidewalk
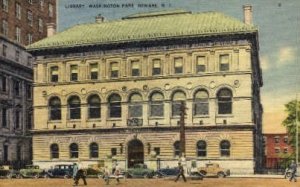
(263, 176)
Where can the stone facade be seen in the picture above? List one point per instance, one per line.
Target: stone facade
(106, 103)
(15, 102)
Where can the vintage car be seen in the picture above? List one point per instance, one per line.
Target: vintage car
(167, 172)
(7, 172)
(32, 171)
(94, 170)
(213, 170)
(61, 171)
(139, 171)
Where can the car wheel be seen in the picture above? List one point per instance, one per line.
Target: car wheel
(221, 175)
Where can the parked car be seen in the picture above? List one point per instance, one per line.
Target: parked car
(213, 170)
(167, 172)
(94, 170)
(7, 172)
(32, 171)
(61, 171)
(139, 171)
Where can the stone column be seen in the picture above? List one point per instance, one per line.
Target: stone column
(145, 114)
(167, 65)
(235, 59)
(167, 112)
(212, 61)
(189, 112)
(104, 113)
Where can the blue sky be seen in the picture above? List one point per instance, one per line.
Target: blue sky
(279, 32)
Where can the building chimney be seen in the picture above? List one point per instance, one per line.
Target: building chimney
(99, 18)
(51, 29)
(247, 14)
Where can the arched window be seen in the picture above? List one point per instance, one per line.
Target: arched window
(135, 107)
(157, 105)
(73, 150)
(201, 148)
(225, 148)
(114, 102)
(176, 146)
(201, 103)
(178, 99)
(224, 101)
(54, 109)
(94, 109)
(54, 151)
(94, 150)
(74, 107)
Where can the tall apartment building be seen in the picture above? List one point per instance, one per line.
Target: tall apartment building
(112, 90)
(22, 22)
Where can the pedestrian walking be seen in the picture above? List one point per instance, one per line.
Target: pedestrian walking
(293, 169)
(75, 170)
(106, 175)
(80, 174)
(117, 173)
(181, 172)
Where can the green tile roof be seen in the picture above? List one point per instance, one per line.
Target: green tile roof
(143, 27)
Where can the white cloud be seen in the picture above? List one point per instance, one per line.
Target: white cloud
(264, 61)
(286, 55)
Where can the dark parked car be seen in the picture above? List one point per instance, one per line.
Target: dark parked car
(7, 172)
(139, 171)
(61, 171)
(167, 172)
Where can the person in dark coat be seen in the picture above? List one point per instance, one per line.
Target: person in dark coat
(293, 169)
(181, 172)
(80, 175)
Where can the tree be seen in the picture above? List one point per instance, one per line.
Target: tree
(290, 124)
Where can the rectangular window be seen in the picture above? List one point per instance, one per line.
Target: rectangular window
(224, 62)
(5, 5)
(29, 38)
(28, 91)
(4, 50)
(74, 73)
(178, 65)
(286, 139)
(54, 74)
(113, 151)
(16, 88)
(157, 109)
(5, 153)
(157, 151)
(156, 67)
(18, 11)
(40, 25)
(135, 68)
(4, 117)
(200, 64)
(18, 34)
(94, 71)
(276, 139)
(114, 72)
(3, 83)
(17, 119)
(17, 57)
(4, 28)
(29, 18)
(50, 9)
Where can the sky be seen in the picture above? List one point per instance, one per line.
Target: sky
(278, 22)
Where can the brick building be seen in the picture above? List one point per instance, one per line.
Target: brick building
(276, 149)
(25, 21)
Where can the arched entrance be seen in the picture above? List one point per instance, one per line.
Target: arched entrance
(135, 152)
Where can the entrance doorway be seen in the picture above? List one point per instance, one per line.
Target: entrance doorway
(135, 153)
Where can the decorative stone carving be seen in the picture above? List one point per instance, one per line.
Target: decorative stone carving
(236, 83)
(212, 84)
(83, 91)
(167, 86)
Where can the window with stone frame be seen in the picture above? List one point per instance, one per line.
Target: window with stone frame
(114, 70)
(135, 68)
(5, 5)
(224, 98)
(29, 38)
(176, 148)
(17, 56)
(178, 65)
(74, 107)
(135, 106)
(74, 153)
(54, 74)
(201, 64)
(201, 104)
(178, 99)
(29, 17)
(157, 104)
(157, 151)
(4, 28)
(156, 70)
(94, 107)
(54, 151)
(224, 62)
(225, 148)
(113, 151)
(201, 148)
(94, 150)
(114, 104)
(94, 71)
(18, 34)
(54, 108)
(18, 11)
(4, 117)
(17, 119)
(73, 72)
